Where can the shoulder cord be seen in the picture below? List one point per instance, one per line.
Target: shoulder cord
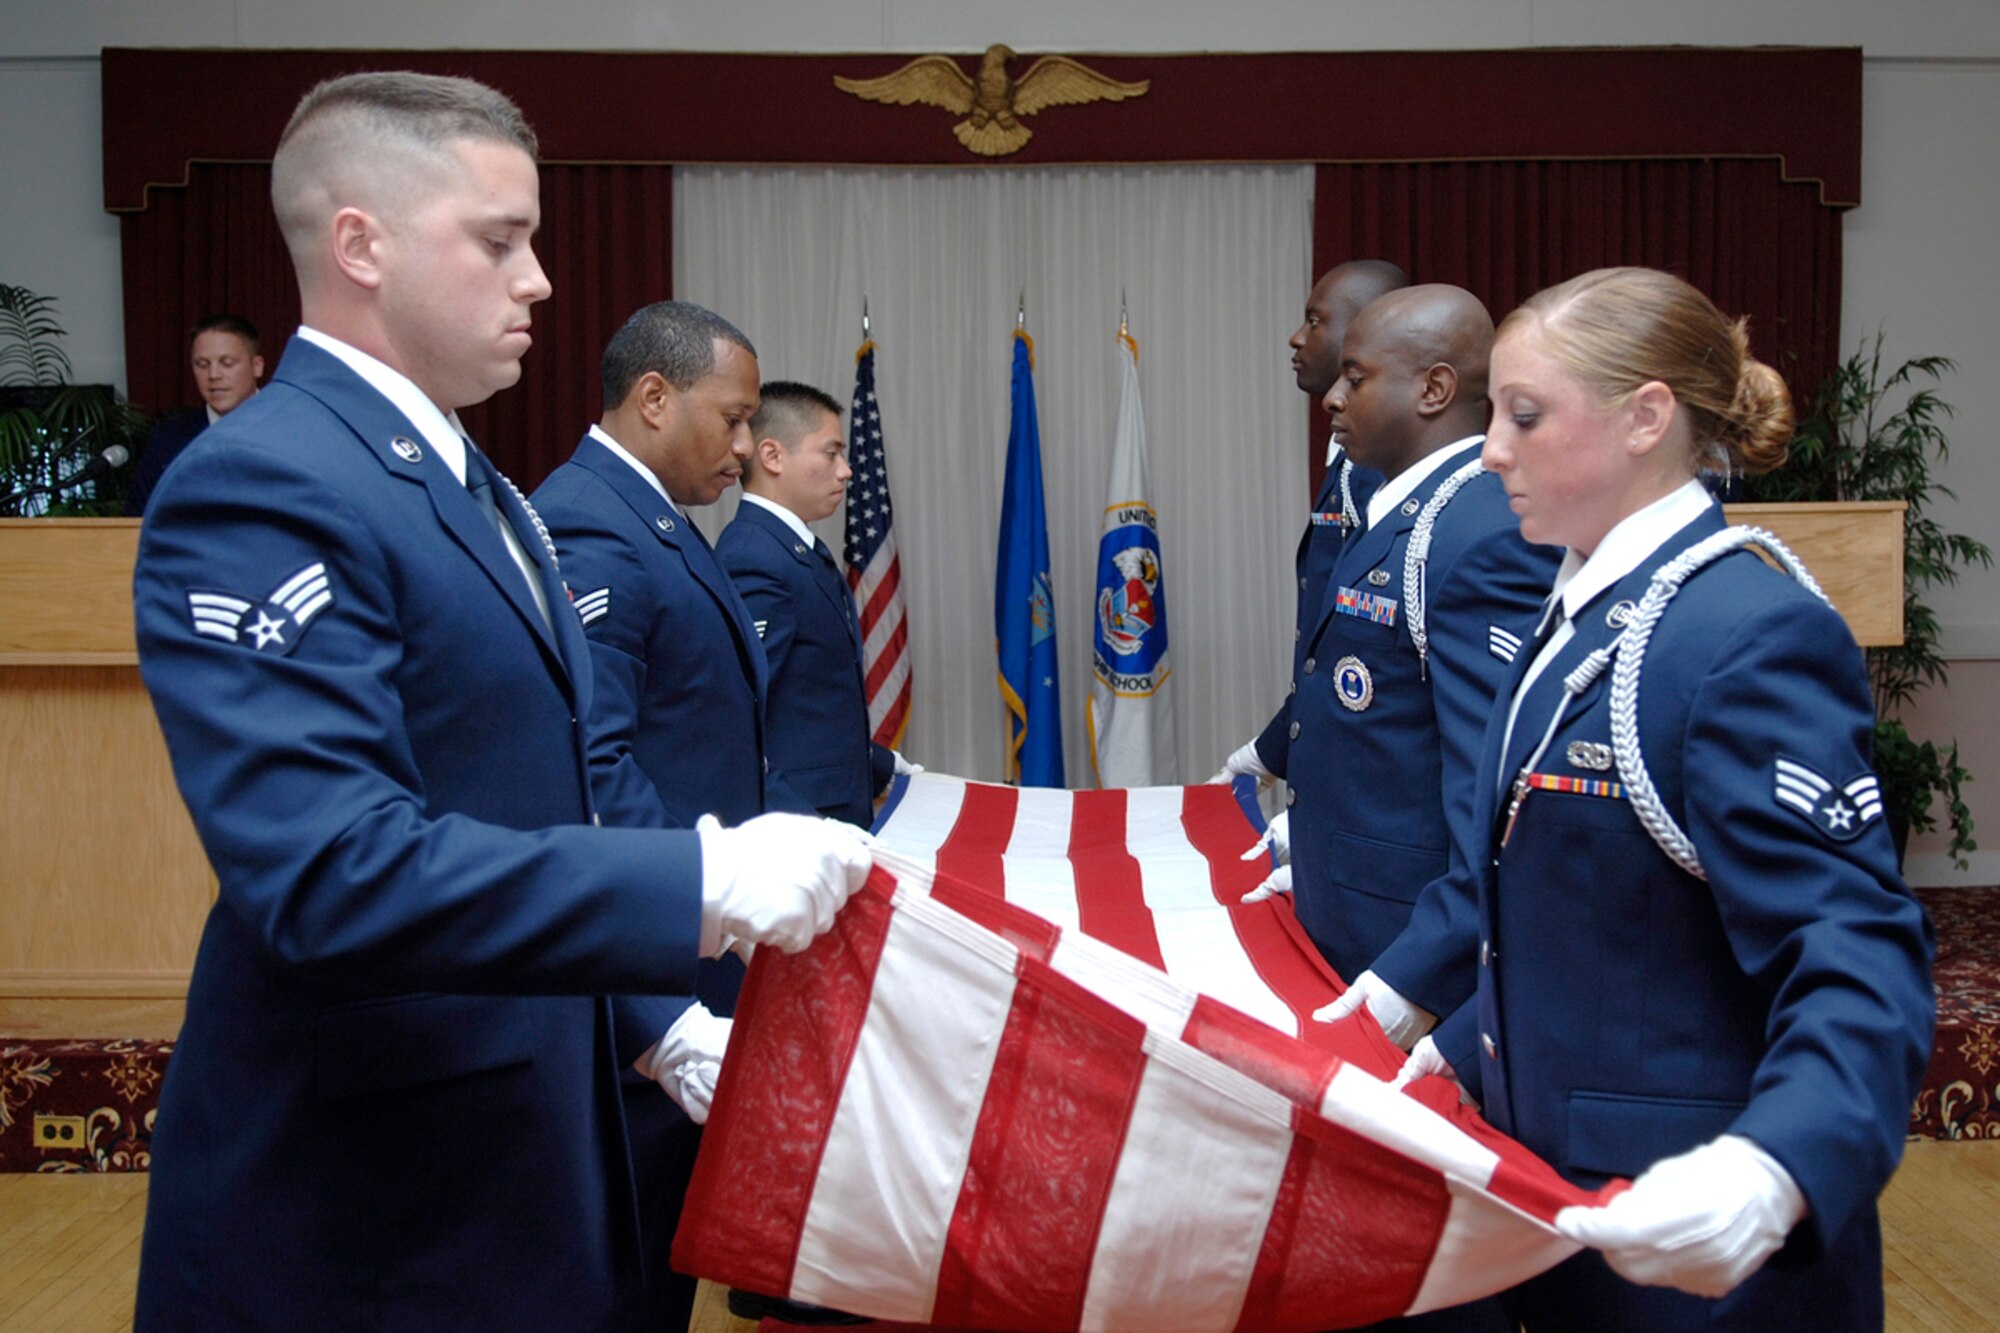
(541, 528)
(1350, 517)
(1625, 671)
(1416, 558)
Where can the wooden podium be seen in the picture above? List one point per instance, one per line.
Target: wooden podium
(103, 881)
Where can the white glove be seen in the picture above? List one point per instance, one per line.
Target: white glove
(1277, 882)
(1244, 762)
(904, 768)
(1700, 1222)
(1402, 1021)
(1277, 837)
(688, 1060)
(776, 879)
(1426, 1060)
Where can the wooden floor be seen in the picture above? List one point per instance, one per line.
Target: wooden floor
(69, 1248)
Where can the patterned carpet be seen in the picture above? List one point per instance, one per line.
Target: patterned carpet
(1960, 1098)
(76, 1105)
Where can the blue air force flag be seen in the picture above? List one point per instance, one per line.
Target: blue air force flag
(1133, 740)
(1023, 609)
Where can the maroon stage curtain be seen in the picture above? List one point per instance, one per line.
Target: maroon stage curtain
(1593, 157)
(1759, 245)
(606, 242)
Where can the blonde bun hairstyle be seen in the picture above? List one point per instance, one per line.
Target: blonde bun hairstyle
(1616, 329)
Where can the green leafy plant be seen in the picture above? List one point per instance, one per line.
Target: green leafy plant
(1877, 433)
(50, 427)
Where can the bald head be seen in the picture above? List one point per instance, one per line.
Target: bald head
(1336, 298)
(380, 142)
(1412, 376)
(1431, 325)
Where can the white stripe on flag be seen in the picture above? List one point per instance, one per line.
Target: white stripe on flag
(1482, 1248)
(1203, 1157)
(1198, 944)
(1036, 864)
(1144, 992)
(874, 1232)
(1359, 1101)
(924, 818)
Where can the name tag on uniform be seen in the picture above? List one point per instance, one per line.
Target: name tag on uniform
(1366, 605)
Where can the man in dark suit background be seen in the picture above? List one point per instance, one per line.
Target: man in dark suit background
(394, 1102)
(818, 738)
(227, 358)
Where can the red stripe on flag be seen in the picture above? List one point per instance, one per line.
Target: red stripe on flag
(1284, 959)
(883, 594)
(1277, 1061)
(751, 1190)
(1110, 890)
(886, 660)
(1019, 1250)
(1352, 1231)
(1033, 936)
(971, 852)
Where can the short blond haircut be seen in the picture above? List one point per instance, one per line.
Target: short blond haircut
(374, 140)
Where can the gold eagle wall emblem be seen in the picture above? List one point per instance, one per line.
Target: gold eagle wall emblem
(993, 101)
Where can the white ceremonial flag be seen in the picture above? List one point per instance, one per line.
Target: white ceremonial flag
(1133, 740)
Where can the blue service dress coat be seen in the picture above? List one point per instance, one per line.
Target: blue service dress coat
(394, 1103)
(1628, 1011)
(169, 438)
(681, 679)
(1343, 496)
(1383, 735)
(678, 725)
(818, 742)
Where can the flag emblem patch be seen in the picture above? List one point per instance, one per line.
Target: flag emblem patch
(275, 624)
(1840, 811)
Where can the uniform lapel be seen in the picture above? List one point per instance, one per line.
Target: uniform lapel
(676, 532)
(405, 455)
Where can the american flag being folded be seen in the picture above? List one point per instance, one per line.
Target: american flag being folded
(956, 1110)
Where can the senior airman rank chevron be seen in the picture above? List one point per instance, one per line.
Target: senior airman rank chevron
(955, 1110)
(281, 618)
(594, 606)
(1838, 812)
(1502, 644)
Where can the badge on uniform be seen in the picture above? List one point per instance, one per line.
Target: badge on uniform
(1365, 605)
(1621, 613)
(1502, 644)
(281, 618)
(1378, 578)
(1592, 755)
(594, 606)
(1840, 812)
(1353, 684)
(760, 626)
(1330, 519)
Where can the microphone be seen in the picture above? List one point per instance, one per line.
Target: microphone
(105, 461)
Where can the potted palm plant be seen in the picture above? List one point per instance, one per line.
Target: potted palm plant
(1876, 432)
(51, 429)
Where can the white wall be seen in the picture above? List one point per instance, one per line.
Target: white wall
(1919, 260)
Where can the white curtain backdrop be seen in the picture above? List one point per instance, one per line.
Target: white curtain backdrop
(1215, 265)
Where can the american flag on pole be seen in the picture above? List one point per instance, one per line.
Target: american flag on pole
(874, 571)
(957, 1111)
